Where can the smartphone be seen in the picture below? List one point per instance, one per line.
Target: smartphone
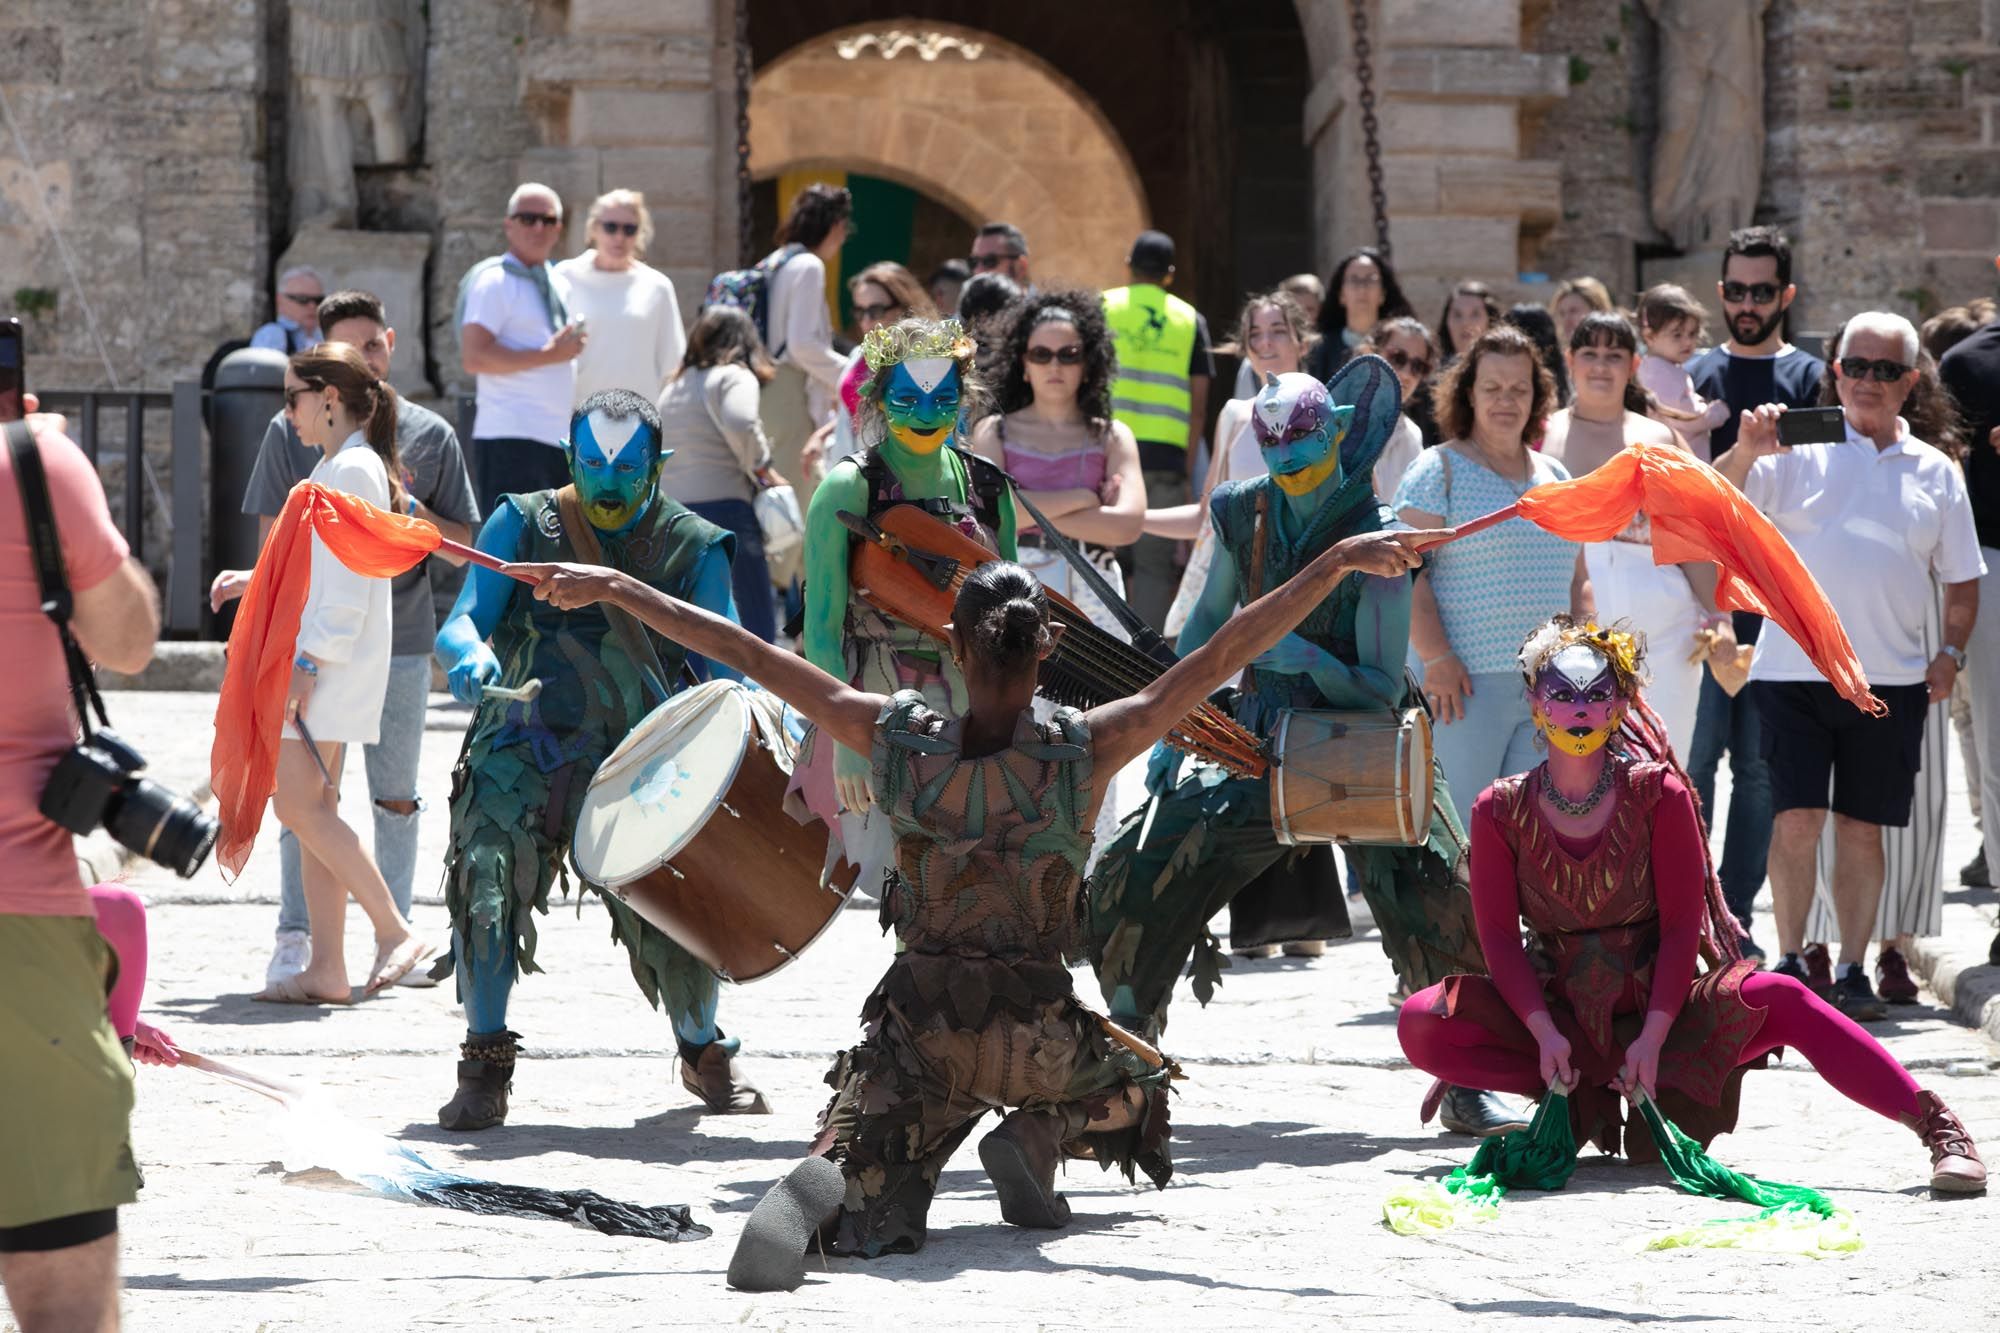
(13, 370)
(1812, 425)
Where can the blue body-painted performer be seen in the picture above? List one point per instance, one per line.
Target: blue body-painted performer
(528, 763)
(1211, 835)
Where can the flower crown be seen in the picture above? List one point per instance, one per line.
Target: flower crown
(1622, 649)
(892, 344)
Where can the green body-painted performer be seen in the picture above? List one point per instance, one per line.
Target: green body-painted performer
(528, 763)
(1211, 834)
(910, 416)
(992, 813)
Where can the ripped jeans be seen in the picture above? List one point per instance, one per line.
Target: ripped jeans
(392, 777)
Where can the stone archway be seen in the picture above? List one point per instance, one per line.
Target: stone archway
(997, 136)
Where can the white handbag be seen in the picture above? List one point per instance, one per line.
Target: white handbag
(784, 531)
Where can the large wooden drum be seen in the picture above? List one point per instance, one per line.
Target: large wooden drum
(1361, 777)
(685, 822)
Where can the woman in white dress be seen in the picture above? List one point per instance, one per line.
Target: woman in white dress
(339, 676)
(636, 336)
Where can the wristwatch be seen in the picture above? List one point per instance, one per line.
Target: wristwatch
(1956, 654)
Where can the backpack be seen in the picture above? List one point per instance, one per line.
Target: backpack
(749, 290)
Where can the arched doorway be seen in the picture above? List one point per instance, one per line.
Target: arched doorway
(983, 128)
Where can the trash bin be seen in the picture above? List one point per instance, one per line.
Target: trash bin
(249, 391)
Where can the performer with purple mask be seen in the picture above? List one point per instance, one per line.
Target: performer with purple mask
(1176, 862)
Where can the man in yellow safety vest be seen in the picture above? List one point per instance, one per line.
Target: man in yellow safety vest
(1161, 393)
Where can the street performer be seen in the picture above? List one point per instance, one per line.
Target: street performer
(1632, 981)
(992, 814)
(908, 422)
(1173, 867)
(529, 756)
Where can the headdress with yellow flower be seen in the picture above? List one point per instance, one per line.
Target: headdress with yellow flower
(1623, 649)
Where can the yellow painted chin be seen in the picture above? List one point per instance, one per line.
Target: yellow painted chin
(920, 441)
(1307, 480)
(1560, 739)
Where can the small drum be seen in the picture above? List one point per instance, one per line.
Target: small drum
(1351, 777)
(685, 822)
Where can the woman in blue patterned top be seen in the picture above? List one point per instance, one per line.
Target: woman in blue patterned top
(1479, 597)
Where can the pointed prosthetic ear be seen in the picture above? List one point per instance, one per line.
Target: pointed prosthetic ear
(1271, 381)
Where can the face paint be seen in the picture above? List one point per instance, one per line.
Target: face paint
(1298, 430)
(615, 463)
(921, 403)
(1577, 704)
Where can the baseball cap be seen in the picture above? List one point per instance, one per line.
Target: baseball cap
(1152, 252)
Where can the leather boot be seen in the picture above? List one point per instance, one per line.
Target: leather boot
(1955, 1164)
(1480, 1114)
(485, 1073)
(1020, 1159)
(711, 1073)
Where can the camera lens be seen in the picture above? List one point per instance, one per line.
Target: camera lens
(165, 828)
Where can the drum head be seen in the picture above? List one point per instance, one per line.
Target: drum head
(656, 790)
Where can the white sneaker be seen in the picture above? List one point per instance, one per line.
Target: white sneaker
(292, 956)
(419, 977)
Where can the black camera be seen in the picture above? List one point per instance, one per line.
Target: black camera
(99, 782)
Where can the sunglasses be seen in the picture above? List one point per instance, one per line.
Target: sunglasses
(618, 228)
(536, 219)
(1861, 368)
(292, 396)
(304, 298)
(874, 312)
(1402, 360)
(1069, 354)
(981, 262)
(1757, 293)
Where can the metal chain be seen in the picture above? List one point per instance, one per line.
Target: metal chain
(1371, 128)
(745, 240)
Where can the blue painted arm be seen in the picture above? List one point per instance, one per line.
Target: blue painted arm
(712, 592)
(1382, 640)
(461, 642)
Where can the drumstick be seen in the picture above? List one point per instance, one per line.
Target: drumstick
(525, 694)
(483, 560)
(242, 1078)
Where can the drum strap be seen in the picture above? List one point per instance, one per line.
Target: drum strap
(1256, 584)
(631, 634)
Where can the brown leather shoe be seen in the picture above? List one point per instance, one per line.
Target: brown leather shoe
(1020, 1159)
(1955, 1164)
(485, 1075)
(723, 1088)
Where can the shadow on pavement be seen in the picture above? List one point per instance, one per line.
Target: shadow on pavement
(662, 1140)
(1213, 1149)
(1570, 1310)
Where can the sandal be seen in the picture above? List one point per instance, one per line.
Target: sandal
(392, 965)
(290, 990)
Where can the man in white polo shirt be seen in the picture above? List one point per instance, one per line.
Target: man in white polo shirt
(516, 337)
(1876, 518)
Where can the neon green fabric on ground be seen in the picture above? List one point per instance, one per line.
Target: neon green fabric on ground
(1793, 1220)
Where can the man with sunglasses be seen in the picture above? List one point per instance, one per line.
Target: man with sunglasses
(1754, 367)
(519, 340)
(1878, 518)
(296, 329)
(1000, 247)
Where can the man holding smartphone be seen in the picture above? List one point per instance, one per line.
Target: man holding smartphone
(1877, 517)
(1754, 367)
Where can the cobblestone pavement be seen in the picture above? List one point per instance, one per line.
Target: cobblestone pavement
(1298, 1115)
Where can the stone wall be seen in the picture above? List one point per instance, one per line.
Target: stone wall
(146, 125)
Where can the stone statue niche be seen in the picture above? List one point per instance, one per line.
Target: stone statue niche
(356, 75)
(1708, 159)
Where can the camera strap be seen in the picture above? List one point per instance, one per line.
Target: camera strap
(46, 548)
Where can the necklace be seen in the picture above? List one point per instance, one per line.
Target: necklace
(1577, 809)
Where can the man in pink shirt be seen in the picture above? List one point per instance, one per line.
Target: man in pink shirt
(65, 1166)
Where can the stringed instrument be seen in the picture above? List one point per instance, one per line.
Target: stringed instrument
(909, 565)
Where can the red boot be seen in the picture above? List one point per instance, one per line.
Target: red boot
(1955, 1164)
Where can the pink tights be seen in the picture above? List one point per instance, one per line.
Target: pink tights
(121, 920)
(1466, 1053)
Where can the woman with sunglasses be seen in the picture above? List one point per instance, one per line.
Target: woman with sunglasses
(1413, 354)
(339, 677)
(1053, 431)
(628, 305)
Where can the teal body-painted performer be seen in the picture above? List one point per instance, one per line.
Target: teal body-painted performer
(528, 763)
(909, 421)
(1211, 834)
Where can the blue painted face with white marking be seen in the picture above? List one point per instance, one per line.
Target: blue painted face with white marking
(921, 402)
(615, 463)
(1298, 428)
